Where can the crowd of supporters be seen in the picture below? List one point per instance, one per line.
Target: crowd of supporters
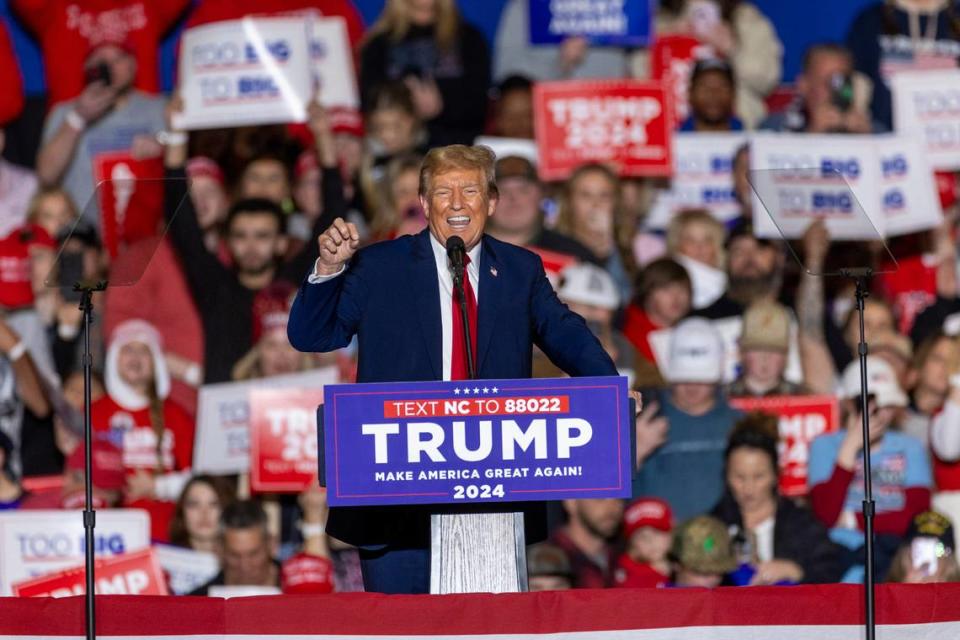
(242, 208)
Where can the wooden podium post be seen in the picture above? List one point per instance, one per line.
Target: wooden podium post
(477, 552)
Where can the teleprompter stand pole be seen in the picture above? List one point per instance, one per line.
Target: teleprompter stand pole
(860, 278)
(86, 291)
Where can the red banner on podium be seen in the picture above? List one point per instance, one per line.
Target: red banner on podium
(283, 439)
(136, 574)
(626, 123)
(802, 418)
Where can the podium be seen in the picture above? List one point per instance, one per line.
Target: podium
(484, 444)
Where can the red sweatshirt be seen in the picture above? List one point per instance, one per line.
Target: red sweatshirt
(69, 29)
(827, 500)
(636, 328)
(132, 430)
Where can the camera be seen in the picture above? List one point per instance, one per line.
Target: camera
(841, 91)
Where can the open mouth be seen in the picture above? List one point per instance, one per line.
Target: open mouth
(458, 223)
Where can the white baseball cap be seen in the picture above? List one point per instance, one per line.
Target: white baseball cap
(696, 353)
(586, 283)
(882, 383)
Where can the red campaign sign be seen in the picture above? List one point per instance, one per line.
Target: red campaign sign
(671, 61)
(283, 439)
(553, 262)
(130, 196)
(626, 123)
(136, 574)
(802, 418)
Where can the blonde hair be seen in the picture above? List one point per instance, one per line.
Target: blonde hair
(623, 228)
(459, 156)
(49, 192)
(386, 216)
(898, 567)
(565, 221)
(688, 217)
(395, 23)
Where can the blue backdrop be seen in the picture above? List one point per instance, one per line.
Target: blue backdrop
(798, 24)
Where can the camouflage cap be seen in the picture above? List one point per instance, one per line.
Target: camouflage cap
(544, 559)
(703, 545)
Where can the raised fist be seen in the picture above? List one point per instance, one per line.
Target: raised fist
(337, 245)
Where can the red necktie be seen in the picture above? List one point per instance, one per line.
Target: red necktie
(458, 360)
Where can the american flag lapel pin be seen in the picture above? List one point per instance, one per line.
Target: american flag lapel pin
(493, 271)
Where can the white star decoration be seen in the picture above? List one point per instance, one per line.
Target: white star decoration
(474, 391)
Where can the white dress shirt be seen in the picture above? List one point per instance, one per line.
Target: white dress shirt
(445, 286)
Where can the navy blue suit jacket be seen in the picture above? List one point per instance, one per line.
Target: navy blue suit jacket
(389, 297)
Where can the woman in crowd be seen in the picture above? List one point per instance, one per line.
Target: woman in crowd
(695, 239)
(196, 519)
(209, 196)
(443, 60)
(392, 123)
(590, 213)
(53, 210)
(154, 434)
(936, 405)
(398, 211)
(928, 374)
(779, 540)
(928, 553)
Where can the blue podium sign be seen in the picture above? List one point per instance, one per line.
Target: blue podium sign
(477, 441)
(620, 23)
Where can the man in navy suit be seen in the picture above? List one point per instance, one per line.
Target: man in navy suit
(397, 297)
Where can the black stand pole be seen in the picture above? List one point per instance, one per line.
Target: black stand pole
(89, 515)
(860, 277)
(458, 291)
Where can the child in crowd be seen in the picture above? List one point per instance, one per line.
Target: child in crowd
(702, 553)
(154, 434)
(647, 528)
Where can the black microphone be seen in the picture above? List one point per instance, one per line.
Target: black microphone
(456, 252)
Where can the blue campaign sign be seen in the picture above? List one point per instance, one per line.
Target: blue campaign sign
(624, 23)
(477, 441)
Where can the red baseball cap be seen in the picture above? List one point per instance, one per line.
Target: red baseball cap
(204, 167)
(346, 120)
(306, 162)
(647, 512)
(304, 573)
(108, 38)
